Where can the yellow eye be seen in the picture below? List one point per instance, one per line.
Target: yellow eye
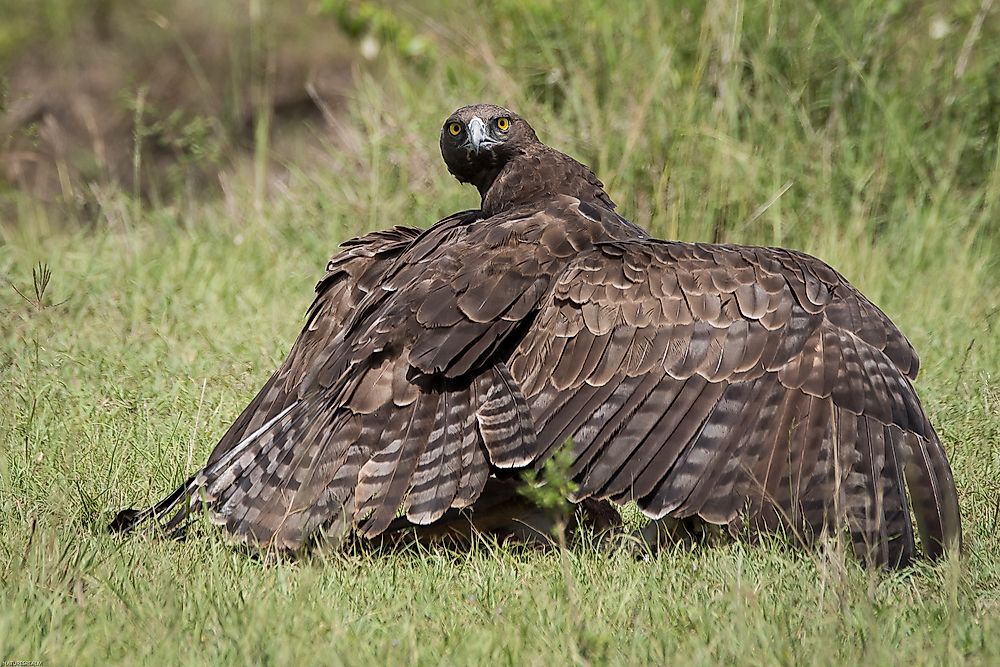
(455, 129)
(503, 123)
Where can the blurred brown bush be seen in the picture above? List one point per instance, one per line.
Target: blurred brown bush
(156, 96)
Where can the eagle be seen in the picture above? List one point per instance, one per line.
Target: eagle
(751, 388)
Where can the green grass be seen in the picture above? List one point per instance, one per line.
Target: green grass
(175, 316)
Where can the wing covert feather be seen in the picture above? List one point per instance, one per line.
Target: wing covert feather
(738, 365)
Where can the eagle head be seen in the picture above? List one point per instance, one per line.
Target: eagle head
(478, 140)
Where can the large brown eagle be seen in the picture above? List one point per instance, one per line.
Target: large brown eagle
(747, 387)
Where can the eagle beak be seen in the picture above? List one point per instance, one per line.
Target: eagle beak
(479, 140)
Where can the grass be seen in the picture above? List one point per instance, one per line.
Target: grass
(699, 120)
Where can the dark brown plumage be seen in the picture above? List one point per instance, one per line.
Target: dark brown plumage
(747, 387)
(511, 165)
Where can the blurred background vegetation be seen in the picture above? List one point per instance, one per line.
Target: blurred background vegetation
(705, 118)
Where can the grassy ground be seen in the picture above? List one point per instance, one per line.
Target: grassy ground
(867, 136)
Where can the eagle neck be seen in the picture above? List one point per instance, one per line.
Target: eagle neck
(538, 174)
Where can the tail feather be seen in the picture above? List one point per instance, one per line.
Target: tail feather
(436, 479)
(504, 419)
(386, 477)
(929, 479)
(475, 468)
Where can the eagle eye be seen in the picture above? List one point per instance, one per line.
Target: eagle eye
(503, 123)
(454, 129)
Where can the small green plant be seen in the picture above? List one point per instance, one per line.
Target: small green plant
(40, 277)
(552, 488)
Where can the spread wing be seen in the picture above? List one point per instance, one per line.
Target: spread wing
(752, 387)
(350, 276)
(348, 429)
(411, 405)
(415, 401)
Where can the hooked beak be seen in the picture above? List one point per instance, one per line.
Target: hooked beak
(478, 140)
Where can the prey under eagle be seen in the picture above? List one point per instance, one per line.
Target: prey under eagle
(747, 387)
